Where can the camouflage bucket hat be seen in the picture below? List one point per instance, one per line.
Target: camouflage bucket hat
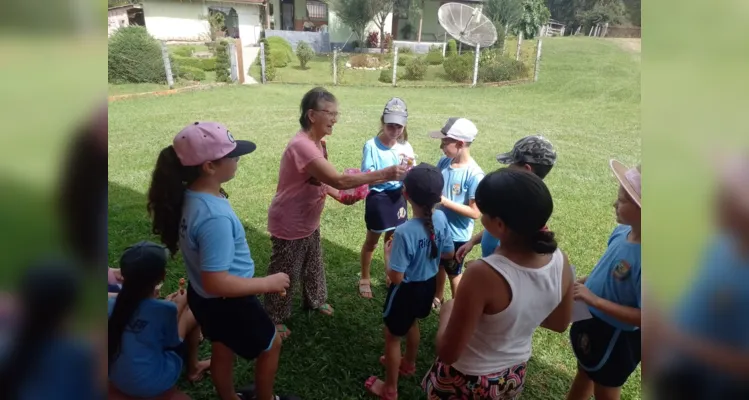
(534, 149)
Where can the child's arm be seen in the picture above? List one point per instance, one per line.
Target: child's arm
(170, 324)
(560, 318)
(396, 254)
(628, 315)
(459, 317)
(471, 210)
(224, 284)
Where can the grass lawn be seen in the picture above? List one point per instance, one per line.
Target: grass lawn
(587, 102)
(129, 88)
(319, 71)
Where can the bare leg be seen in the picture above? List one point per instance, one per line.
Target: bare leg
(582, 387)
(367, 252)
(454, 281)
(189, 329)
(607, 393)
(392, 361)
(412, 344)
(222, 371)
(265, 370)
(441, 278)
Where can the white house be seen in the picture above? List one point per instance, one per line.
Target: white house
(184, 20)
(121, 16)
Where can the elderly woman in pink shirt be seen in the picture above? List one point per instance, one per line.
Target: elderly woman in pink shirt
(305, 179)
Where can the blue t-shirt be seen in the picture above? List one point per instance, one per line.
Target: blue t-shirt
(212, 239)
(145, 366)
(376, 156)
(65, 369)
(411, 248)
(488, 244)
(460, 187)
(616, 277)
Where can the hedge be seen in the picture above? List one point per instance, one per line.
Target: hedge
(206, 64)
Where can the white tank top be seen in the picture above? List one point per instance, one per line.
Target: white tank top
(504, 339)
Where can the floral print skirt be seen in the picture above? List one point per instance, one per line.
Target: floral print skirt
(443, 382)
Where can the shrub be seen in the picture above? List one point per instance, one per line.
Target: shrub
(183, 51)
(403, 59)
(416, 69)
(365, 61)
(223, 64)
(270, 72)
(206, 64)
(434, 57)
(386, 76)
(340, 67)
(389, 42)
(459, 68)
(502, 69)
(405, 50)
(452, 48)
(134, 56)
(192, 74)
(373, 40)
(489, 56)
(283, 46)
(304, 53)
(278, 58)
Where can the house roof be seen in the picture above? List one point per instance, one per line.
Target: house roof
(126, 6)
(237, 1)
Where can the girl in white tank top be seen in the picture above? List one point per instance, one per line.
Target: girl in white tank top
(483, 346)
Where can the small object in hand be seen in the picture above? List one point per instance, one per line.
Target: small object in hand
(283, 294)
(182, 286)
(359, 193)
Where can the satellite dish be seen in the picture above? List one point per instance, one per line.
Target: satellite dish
(467, 24)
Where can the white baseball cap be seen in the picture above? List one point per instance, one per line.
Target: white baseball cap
(458, 129)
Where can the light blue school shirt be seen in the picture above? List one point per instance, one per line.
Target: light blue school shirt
(212, 239)
(377, 156)
(616, 277)
(715, 307)
(65, 369)
(488, 244)
(460, 187)
(412, 247)
(146, 367)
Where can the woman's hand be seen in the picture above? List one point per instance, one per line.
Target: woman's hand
(396, 172)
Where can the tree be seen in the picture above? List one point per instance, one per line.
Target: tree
(504, 14)
(603, 11)
(535, 15)
(355, 14)
(381, 9)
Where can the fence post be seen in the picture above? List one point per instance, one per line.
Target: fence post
(476, 65)
(240, 61)
(504, 39)
(591, 30)
(233, 61)
(167, 65)
(520, 41)
(262, 62)
(538, 60)
(335, 67)
(395, 64)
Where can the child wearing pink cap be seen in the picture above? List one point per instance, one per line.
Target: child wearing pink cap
(191, 212)
(608, 344)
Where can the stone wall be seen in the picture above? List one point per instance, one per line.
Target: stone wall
(319, 41)
(417, 47)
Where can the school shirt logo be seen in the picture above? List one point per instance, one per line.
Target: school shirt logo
(456, 189)
(402, 213)
(622, 270)
(183, 228)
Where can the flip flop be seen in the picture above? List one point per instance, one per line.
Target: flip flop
(365, 288)
(283, 331)
(374, 385)
(403, 369)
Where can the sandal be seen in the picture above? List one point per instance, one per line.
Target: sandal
(325, 309)
(365, 288)
(436, 305)
(377, 388)
(283, 331)
(404, 369)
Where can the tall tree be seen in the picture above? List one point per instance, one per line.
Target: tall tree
(381, 10)
(355, 14)
(535, 15)
(504, 14)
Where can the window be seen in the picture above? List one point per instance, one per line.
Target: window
(317, 10)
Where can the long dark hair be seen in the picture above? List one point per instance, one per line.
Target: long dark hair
(49, 293)
(523, 202)
(139, 284)
(429, 226)
(311, 101)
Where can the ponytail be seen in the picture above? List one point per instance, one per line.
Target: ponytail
(133, 292)
(429, 225)
(166, 196)
(543, 242)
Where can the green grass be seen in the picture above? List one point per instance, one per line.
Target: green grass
(130, 88)
(319, 71)
(587, 102)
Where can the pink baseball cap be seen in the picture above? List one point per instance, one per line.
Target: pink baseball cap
(201, 142)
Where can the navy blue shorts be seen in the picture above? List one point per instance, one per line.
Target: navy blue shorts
(608, 355)
(453, 267)
(407, 302)
(239, 323)
(385, 210)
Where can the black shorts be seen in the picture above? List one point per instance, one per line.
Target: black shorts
(383, 211)
(239, 323)
(608, 355)
(407, 302)
(453, 267)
